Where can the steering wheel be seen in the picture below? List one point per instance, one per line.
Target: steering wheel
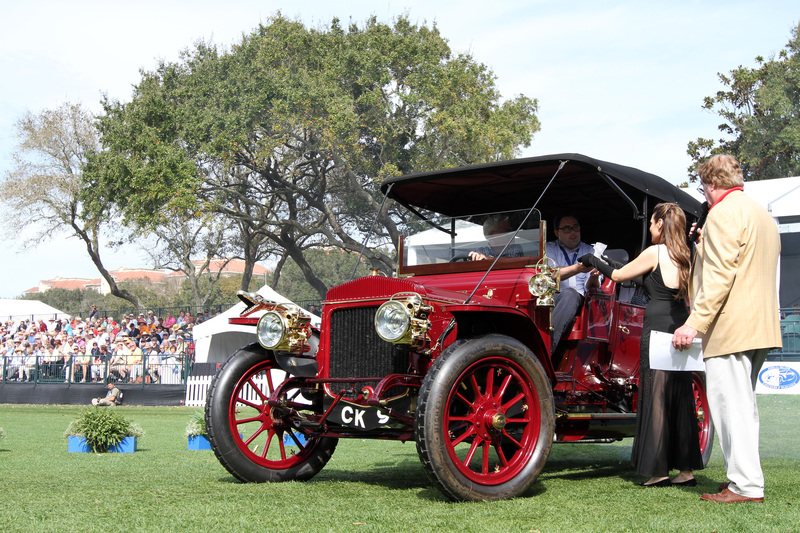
(460, 257)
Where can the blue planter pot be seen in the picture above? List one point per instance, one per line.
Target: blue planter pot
(128, 445)
(288, 441)
(78, 445)
(199, 442)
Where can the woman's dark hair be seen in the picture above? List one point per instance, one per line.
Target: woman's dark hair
(673, 235)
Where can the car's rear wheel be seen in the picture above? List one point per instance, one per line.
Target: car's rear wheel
(254, 441)
(485, 419)
(705, 427)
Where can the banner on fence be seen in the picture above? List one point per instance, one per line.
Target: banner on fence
(779, 377)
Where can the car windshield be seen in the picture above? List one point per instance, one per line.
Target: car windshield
(486, 234)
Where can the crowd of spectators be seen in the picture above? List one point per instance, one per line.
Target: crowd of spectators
(131, 349)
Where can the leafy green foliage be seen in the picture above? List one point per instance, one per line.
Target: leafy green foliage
(761, 109)
(222, 293)
(102, 428)
(334, 265)
(289, 134)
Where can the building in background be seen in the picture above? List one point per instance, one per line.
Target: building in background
(167, 279)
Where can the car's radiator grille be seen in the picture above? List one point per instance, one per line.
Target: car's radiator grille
(357, 351)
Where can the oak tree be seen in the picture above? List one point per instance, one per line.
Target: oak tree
(290, 132)
(44, 190)
(761, 112)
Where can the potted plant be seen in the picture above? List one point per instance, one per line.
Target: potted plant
(102, 430)
(196, 431)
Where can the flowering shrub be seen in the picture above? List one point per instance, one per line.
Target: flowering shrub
(102, 428)
(197, 424)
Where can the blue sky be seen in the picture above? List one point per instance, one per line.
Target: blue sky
(622, 81)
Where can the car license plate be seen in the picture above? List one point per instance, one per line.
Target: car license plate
(358, 417)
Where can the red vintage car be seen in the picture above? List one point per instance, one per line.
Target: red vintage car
(450, 352)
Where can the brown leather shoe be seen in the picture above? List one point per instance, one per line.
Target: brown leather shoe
(727, 496)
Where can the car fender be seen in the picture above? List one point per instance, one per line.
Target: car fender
(473, 320)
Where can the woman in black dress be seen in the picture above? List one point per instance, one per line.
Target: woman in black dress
(666, 425)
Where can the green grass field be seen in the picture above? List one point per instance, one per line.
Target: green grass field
(367, 486)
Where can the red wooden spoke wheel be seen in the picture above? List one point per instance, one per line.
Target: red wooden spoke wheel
(485, 419)
(254, 441)
(705, 427)
(491, 422)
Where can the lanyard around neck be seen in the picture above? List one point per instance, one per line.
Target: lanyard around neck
(566, 254)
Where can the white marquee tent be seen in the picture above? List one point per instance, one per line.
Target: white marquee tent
(215, 340)
(17, 310)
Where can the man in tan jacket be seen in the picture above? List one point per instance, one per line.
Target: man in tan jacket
(734, 308)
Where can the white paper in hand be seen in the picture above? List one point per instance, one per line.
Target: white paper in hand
(664, 356)
(599, 249)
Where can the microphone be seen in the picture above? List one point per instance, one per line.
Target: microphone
(694, 235)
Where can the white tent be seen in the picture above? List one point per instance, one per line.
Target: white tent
(215, 340)
(17, 310)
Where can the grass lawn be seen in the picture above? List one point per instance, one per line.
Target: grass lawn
(367, 486)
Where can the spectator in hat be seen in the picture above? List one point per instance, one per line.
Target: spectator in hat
(82, 359)
(28, 364)
(68, 352)
(152, 359)
(119, 359)
(102, 336)
(134, 359)
(14, 362)
(50, 361)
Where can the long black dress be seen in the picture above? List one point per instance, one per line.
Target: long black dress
(666, 424)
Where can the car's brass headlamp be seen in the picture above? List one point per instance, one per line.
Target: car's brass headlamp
(403, 319)
(284, 328)
(546, 282)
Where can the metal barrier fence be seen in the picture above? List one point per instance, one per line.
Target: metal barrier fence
(790, 335)
(168, 369)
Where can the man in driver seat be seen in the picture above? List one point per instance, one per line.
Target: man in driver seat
(497, 230)
(575, 278)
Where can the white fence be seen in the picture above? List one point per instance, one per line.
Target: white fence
(197, 388)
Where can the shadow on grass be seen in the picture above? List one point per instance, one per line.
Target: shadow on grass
(403, 472)
(400, 474)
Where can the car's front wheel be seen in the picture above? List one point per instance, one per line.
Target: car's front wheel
(485, 419)
(254, 441)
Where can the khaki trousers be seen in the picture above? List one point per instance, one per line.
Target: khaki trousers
(730, 386)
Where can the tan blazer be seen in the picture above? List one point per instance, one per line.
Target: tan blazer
(733, 287)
